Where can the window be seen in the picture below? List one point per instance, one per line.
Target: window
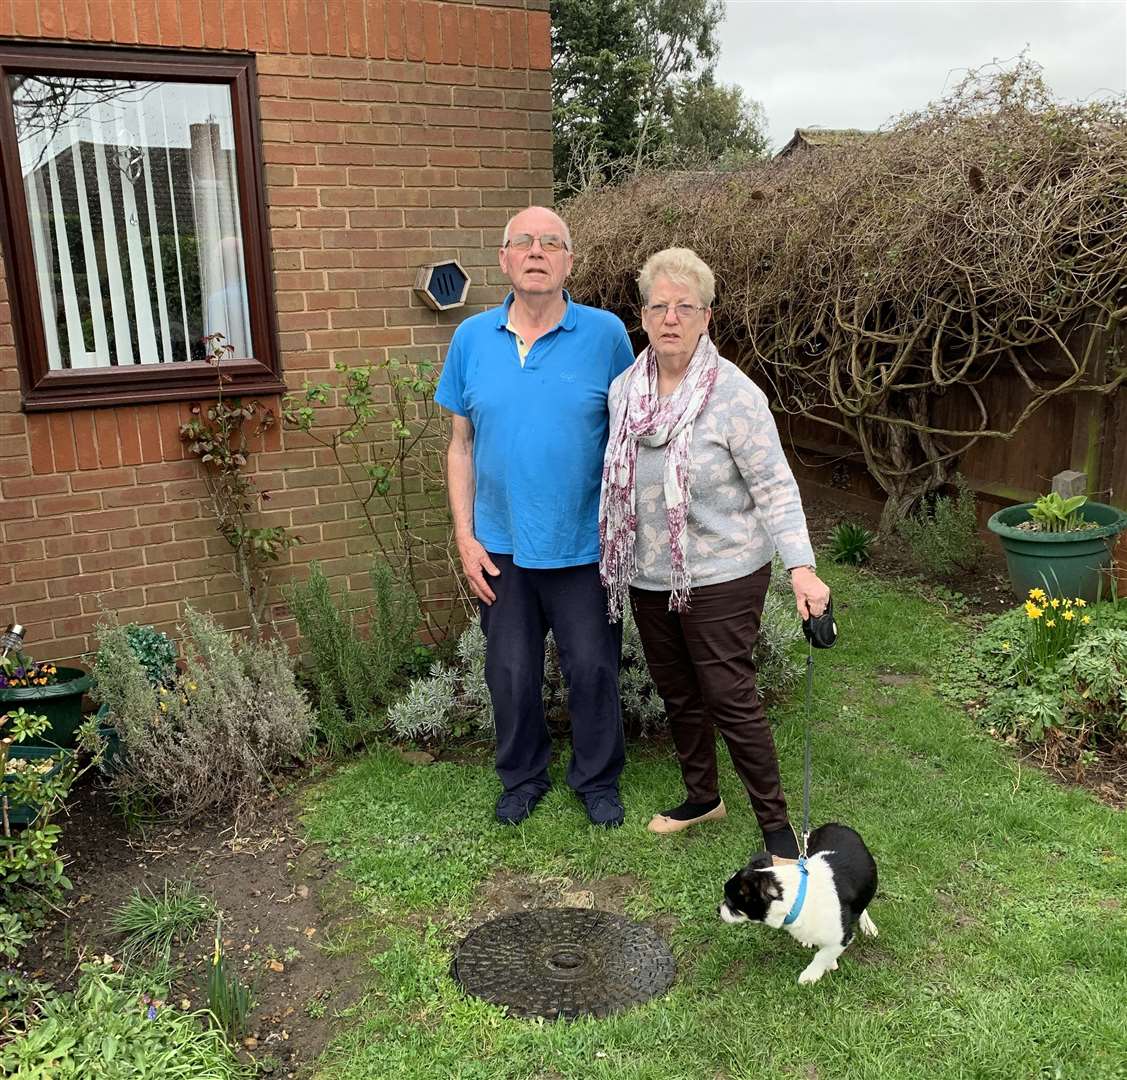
(134, 224)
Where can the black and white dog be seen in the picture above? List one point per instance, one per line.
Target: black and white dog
(819, 903)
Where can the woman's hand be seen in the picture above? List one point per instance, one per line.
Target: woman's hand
(811, 593)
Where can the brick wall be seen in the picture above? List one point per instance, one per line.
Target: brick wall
(395, 133)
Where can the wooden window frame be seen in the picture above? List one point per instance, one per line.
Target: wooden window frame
(45, 389)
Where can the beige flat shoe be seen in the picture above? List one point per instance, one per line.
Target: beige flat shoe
(663, 825)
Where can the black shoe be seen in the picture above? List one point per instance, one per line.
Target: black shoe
(604, 808)
(514, 806)
(782, 843)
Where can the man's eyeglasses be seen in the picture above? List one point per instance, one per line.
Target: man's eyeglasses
(684, 311)
(548, 242)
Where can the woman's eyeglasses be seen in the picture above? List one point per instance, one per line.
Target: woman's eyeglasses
(548, 242)
(684, 311)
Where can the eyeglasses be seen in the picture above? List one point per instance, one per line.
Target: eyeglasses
(548, 242)
(684, 311)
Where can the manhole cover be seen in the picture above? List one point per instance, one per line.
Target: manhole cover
(561, 963)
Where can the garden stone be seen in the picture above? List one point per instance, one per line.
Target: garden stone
(1070, 482)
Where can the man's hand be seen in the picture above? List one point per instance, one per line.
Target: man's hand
(476, 563)
(811, 593)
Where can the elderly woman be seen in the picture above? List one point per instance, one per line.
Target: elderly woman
(697, 497)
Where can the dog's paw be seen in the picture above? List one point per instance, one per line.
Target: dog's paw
(811, 975)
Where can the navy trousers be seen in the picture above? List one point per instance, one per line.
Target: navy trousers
(571, 602)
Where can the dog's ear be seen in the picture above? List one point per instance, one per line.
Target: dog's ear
(760, 860)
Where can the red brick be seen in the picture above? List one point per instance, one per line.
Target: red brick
(26, 13)
(297, 25)
(148, 32)
(45, 569)
(375, 22)
(168, 21)
(337, 18)
(211, 19)
(28, 530)
(518, 38)
(105, 521)
(25, 552)
(132, 576)
(393, 12)
(168, 418)
(234, 29)
(112, 560)
(414, 39)
(484, 20)
(467, 38)
(539, 40)
(124, 23)
(502, 51)
(7, 24)
(39, 440)
(317, 21)
(21, 487)
(50, 18)
(276, 38)
(432, 32)
(357, 35)
(450, 48)
(148, 429)
(191, 22)
(142, 537)
(76, 545)
(55, 505)
(105, 436)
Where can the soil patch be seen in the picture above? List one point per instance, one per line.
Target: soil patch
(983, 589)
(274, 893)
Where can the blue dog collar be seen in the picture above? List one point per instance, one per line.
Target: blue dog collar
(800, 899)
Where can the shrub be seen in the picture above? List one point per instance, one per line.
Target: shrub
(155, 650)
(355, 675)
(1067, 682)
(454, 699)
(944, 536)
(106, 1028)
(32, 877)
(211, 737)
(151, 924)
(851, 543)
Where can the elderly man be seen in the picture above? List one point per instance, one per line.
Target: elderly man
(527, 384)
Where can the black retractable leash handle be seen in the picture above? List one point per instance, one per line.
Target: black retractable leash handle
(821, 633)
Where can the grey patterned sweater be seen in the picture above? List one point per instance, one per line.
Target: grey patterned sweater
(744, 502)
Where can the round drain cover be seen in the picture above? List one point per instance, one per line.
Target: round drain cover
(561, 963)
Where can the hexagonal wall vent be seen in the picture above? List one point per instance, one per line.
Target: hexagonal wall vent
(443, 285)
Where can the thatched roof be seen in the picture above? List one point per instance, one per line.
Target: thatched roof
(821, 138)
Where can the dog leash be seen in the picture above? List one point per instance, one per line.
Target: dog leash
(821, 633)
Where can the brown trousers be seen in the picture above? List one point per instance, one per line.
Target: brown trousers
(701, 663)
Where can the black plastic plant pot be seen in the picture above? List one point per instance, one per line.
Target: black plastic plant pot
(25, 813)
(61, 703)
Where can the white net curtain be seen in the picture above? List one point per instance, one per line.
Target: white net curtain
(132, 195)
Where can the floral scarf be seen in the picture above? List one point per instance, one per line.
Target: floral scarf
(647, 419)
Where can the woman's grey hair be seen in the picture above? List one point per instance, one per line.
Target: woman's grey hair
(683, 266)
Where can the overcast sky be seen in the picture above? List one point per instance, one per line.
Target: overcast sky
(839, 63)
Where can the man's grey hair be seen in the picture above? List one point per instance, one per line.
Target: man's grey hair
(509, 223)
(682, 266)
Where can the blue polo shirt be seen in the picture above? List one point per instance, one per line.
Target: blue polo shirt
(539, 430)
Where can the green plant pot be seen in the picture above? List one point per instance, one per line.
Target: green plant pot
(1065, 564)
(25, 813)
(61, 703)
(112, 760)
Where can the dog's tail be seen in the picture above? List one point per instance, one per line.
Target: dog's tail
(867, 925)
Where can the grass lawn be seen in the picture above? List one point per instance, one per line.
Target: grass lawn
(1002, 906)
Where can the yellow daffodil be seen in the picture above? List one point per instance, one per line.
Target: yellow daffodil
(1085, 619)
(1032, 610)
(1081, 602)
(1050, 623)
(1067, 602)
(1068, 616)
(1036, 594)
(164, 706)
(1054, 602)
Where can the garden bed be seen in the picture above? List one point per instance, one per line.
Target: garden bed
(275, 891)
